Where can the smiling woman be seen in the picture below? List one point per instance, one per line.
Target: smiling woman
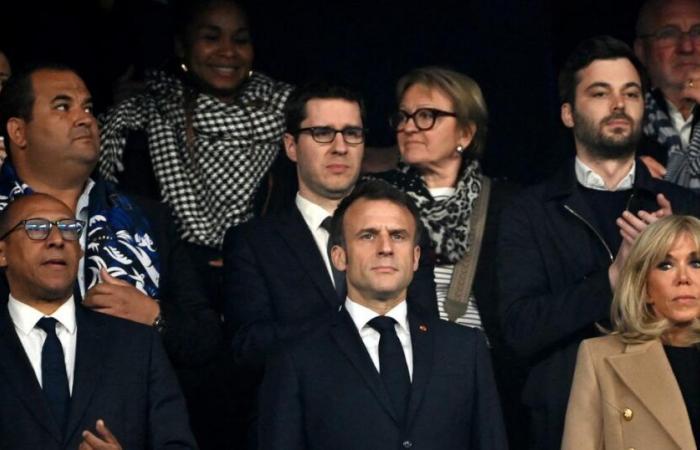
(205, 132)
(637, 387)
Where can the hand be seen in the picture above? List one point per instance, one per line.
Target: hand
(655, 167)
(106, 441)
(120, 299)
(691, 87)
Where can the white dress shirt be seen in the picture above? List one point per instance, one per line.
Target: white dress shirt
(313, 216)
(361, 315)
(588, 178)
(683, 126)
(82, 214)
(32, 337)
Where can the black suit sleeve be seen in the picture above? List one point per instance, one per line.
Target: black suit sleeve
(487, 429)
(533, 316)
(281, 415)
(193, 330)
(168, 422)
(248, 307)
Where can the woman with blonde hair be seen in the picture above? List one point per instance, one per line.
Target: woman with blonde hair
(638, 386)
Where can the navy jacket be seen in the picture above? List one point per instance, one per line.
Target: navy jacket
(277, 288)
(553, 284)
(122, 375)
(325, 393)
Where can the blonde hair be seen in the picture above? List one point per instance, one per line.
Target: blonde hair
(632, 317)
(466, 96)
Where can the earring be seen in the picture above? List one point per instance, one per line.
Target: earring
(460, 149)
(184, 68)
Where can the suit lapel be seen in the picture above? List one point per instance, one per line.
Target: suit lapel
(422, 342)
(294, 231)
(17, 370)
(348, 339)
(645, 370)
(89, 357)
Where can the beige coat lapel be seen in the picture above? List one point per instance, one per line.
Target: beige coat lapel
(645, 370)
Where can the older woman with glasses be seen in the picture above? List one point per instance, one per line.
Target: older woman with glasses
(638, 387)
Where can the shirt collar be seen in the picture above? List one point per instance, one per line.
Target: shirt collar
(84, 200)
(676, 117)
(312, 213)
(25, 317)
(591, 180)
(361, 314)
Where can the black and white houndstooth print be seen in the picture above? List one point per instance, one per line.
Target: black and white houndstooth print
(211, 184)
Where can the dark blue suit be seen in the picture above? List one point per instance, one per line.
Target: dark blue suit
(122, 375)
(326, 393)
(277, 287)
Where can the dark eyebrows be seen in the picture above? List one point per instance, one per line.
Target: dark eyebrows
(61, 97)
(604, 85)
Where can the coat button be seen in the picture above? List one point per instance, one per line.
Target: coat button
(627, 414)
(407, 444)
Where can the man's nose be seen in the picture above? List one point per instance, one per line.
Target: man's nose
(384, 244)
(55, 238)
(338, 144)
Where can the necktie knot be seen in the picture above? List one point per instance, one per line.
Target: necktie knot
(47, 324)
(326, 224)
(383, 324)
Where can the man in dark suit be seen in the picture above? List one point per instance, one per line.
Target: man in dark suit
(65, 369)
(279, 283)
(382, 375)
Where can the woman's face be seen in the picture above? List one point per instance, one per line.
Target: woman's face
(673, 285)
(436, 146)
(219, 51)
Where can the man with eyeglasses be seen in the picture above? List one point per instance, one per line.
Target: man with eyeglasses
(70, 377)
(279, 283)
(668, 44)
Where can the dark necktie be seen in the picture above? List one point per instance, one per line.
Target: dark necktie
(392, 364)
(338, 276)
(53, 372)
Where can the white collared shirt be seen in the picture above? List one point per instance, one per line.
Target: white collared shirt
(313, 216)
(32, 337)
(81, 210)
(591, 180)
(684, 127)
(361, 315)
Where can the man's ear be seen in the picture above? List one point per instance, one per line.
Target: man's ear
(567, 115)
(416, 257)
(3, 252)
(339, 258)
(17, 132)
(290, 146)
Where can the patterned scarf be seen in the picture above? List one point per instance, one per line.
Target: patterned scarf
(118, 235)
(683, 164)
(211, 177)
(445, 220)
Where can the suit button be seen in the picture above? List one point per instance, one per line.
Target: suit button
(627, 414)
(407, 444)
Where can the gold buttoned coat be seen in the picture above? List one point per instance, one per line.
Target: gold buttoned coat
(625, 396)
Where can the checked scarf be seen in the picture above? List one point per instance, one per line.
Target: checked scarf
(683, 164)
(118, 235)
(445, 220)
(209, 178)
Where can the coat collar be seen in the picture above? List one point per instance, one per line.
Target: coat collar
(296, 234)
(645, 370)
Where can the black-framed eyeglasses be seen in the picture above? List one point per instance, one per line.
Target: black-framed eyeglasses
(671, 35)
(326, 135)
(38, 229)
(423, 118)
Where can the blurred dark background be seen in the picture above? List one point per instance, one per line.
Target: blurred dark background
(512, 48)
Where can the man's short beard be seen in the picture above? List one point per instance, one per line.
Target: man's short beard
(602, 146)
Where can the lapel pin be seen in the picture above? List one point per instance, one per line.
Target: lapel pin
(423, 328)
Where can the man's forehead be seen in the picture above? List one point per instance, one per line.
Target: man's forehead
(51, 83)
(40, 206)
(674, 12)
(617, 72)
(380, 214)
(330, 109)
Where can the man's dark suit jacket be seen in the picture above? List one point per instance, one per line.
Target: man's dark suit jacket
(325, 393)
(122, 376)
(277, 287)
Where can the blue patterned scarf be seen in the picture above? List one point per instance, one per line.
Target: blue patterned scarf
(118, 235)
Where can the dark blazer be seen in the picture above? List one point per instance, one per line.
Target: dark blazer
(553, 284)
(122, 375)
(277, 287)
(325, 393)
